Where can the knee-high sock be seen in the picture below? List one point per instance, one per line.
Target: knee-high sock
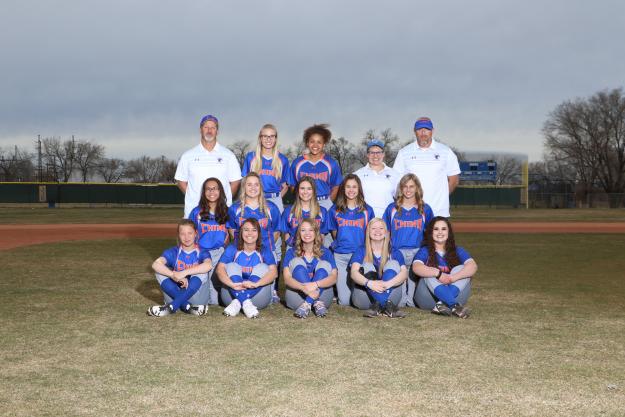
(382, 298)
(445, 293)
(180, 296)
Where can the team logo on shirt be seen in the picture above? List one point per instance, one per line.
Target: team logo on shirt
(323, 176)
(436, 156)
(350, 222)
(212, 228)
(399, 224)
(220, 160)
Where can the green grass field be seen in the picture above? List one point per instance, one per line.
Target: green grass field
(546, 338)
(169, 215)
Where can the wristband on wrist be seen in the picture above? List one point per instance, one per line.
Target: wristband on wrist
(440, 272)
(367, 284)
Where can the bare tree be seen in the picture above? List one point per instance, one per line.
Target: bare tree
(343, 151)
(240, 148)
(60, 157)
(87, 157)
(111, 170)
(589, 135)
(168, 170)
(16, 165)
(144, 169)
(296, 149)
(508, 170)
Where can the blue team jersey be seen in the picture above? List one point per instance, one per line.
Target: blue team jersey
(407, 228)
(359, 257)
(210, 234)
(326, 173)
(271, 184)
(326, 255)
(422, 256)
(289, 223)
(178, 260)
(247, 260)
(350, 228)
(268, 225)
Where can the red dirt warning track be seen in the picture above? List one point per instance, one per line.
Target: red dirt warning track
(13, 236)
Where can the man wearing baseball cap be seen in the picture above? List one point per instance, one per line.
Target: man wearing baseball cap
(434, 163)
(207, 159)
(379, 181)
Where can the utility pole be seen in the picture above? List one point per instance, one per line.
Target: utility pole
(39, 162)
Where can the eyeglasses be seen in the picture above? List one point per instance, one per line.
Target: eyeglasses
(268, 136)
(375, 153)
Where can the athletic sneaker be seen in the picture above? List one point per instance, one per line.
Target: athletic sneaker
(441, 309)
(374, 311)
(198, 310)
(249, 309)
(392, 311)
(460, 311)
(233, 308)
(160, 311)
(320, 308)
(302, 311)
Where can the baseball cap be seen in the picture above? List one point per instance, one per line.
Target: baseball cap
(423, 122)
(375, 142)
(207, 118)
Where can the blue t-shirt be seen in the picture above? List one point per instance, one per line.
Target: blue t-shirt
(210, 234)
(359, 257)
(311, 264)
(177, 259)
(326, 173)
(350, 227)
(289, 223)
(407, 228)
(267, 225)
(422, 256)
(247, 260)
(271, 184)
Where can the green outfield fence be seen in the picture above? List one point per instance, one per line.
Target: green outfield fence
(54, 194)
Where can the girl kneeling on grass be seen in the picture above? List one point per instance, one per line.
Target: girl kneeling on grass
(379, 274)
(309, 272)
(446, 271)
(181, 271)
(247, 271)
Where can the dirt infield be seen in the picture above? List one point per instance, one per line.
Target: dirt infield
(13, 236)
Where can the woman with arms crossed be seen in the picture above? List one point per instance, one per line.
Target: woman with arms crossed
(378, 272)
(309, 272)
(181, 271)
(247, 271)
(446, 271)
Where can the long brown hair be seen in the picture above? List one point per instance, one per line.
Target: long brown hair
(221, 206)
(399, 195)
(315, 209)
(341, 197)
(317, 243)
(259, 239)
(451, 256)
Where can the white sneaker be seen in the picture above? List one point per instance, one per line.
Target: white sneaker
(250, 310)
(233, 308)
(198, 310)
(159, 311)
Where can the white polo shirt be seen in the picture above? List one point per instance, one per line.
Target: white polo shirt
(432, 165)
(197, 164)
(378, 187)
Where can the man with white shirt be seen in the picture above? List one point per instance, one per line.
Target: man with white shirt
(434, 163)
(206, 160)
(379, 181)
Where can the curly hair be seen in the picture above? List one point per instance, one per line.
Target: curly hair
(451, 256)
(319, 129)
(221, 206)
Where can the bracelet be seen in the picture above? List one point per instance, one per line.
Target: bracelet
(440, 272)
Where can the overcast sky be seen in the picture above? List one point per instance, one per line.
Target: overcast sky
(137, 76)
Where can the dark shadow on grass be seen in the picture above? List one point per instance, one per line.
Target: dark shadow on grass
(149, 289)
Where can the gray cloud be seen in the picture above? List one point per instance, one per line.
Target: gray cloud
(137, 76)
